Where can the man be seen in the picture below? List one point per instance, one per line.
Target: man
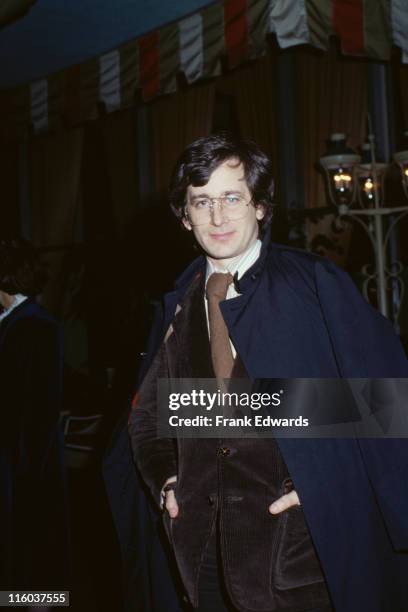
(232, 507)
(33, 497)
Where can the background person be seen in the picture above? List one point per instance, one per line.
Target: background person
(33, 510)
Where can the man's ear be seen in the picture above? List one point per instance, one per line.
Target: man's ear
(259, 211)
(186, 223)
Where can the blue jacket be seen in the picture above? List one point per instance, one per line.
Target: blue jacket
(299, 316)
(33, 504)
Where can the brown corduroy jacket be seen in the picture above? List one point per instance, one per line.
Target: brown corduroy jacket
(269, 562)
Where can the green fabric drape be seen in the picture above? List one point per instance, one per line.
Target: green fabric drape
(110, 204)
(332, 94)
(118, 132)
(253, 89)
(400, 84)
(177, 120)
(55, 167)
(9, 164)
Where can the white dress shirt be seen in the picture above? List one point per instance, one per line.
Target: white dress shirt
(18, 299)
(238, 265)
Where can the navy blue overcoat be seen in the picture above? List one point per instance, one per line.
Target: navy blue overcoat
(298, 316)
(33, 500)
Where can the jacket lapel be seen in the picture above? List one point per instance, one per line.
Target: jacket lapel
(22, 310)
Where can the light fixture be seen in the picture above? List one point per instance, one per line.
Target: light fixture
(370, 179)
(339, 163)
(345, 170)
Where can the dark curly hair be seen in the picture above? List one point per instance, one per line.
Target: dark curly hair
(199, 160)
(20, 268)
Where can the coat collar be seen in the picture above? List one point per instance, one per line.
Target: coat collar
(22, 310)
(198, 267)
(192, 272)
(16, 312)
(196, 270)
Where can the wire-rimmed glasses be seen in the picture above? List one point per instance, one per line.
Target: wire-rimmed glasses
(200, 210)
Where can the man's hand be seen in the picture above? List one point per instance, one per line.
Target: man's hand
(283, 503)
(170, 502)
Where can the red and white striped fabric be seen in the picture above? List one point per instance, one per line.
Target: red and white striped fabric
(39, 105)
(191, 47)
(198, 45)
(109, 80)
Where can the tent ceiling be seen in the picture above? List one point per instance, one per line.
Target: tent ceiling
(56, 34)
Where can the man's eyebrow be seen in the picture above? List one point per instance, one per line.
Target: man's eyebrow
(223, 193)
(199, 195)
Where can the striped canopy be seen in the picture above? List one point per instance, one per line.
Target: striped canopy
(223, 34)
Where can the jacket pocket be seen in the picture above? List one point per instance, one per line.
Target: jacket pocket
(296, 563)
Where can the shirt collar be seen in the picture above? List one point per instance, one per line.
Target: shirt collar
(18, 299)
(240, 264)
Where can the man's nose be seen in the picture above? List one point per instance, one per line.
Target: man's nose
(217, 214)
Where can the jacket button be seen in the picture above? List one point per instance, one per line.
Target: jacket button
(224, 451)
(210, 500)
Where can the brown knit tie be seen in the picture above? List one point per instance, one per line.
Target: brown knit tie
(221, 353)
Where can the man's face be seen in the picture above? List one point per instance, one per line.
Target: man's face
(6, 300)
(223, 239)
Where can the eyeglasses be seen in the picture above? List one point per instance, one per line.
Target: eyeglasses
(233, 207)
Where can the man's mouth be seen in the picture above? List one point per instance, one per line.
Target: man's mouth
(222, 237)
